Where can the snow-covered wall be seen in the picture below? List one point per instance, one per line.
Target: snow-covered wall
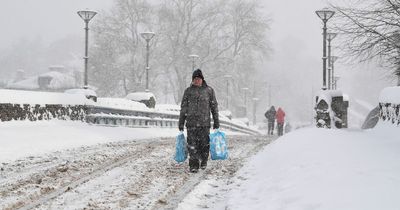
(389, 105)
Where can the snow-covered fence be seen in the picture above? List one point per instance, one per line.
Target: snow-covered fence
(140, 118)
(131, 118)
(389, 105)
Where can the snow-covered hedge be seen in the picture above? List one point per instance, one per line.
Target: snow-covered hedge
(10, 112)
(33, 105)
(389, 105)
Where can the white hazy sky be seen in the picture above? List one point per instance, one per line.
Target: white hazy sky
(48, 19)
(54, 19)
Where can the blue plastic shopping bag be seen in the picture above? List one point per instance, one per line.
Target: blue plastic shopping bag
(180, 148)
(218, 146)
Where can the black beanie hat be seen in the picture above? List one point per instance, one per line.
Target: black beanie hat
(197, 73)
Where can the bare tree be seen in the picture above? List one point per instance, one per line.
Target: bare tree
(218, 31)
(371, 30)
(118, 48)
(227, 35)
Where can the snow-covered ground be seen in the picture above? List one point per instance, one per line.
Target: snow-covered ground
(21, 139)
(80, 166)
(315, 169)
(308, 168)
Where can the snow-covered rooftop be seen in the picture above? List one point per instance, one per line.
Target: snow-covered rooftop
(58, 81)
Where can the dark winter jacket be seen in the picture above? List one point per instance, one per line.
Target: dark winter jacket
(270, 114)
(196, 106)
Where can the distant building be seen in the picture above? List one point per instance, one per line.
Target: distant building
(57, 79)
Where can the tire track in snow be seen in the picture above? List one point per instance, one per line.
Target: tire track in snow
(137, 175)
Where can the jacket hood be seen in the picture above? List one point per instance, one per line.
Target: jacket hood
(197, 73)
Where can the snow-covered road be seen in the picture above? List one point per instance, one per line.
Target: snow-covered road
(127, 174)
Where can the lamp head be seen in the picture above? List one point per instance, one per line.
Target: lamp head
(334, 58)
(330, 36)
(86, 15)
(193, 56)
(147, 35)
(325, 14)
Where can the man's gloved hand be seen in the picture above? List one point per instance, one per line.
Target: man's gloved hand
(180, 128)
(215, 126)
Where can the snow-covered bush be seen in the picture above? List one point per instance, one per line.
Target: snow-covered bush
(389, 105)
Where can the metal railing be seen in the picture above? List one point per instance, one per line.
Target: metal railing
(103, 116)
(135, 118)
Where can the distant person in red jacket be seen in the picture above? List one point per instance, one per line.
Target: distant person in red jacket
(280, 119)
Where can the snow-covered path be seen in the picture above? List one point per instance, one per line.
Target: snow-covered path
(127, 174)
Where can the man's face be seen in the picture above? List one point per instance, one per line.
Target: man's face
(197, 81)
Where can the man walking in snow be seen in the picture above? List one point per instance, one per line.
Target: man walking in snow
(197, 103)
(280, 119)
(270, 115)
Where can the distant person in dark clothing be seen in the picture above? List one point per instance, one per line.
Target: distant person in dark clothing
(280, 119)
(198, 102)
(270, 115)
(288, 127)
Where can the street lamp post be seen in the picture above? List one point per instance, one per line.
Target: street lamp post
(325, 14)
(336, 78)
(147, 36)
(245, 89)
(333, 60)
(86, 15)
(227, 90)
(193, 57)
(255, 109)
(330, 37)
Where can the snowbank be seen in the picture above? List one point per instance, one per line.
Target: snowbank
(36, 97)
(390, 95)
(20, 139)
(85, 92)
(140, 96)
(121, 103)
(323, 169)
(24, 138)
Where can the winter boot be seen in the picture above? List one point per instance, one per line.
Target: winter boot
(203, 165)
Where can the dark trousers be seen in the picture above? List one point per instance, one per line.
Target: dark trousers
(198, 139)
(280, 129)
(271, 126)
